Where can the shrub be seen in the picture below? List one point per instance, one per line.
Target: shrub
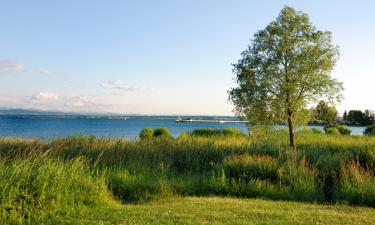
(146, 133)
(231, 131)
(211, 132)
(206, 132)
(370, 130)
(342, 129)
(162, 132)
(316, 130)
(332, 131)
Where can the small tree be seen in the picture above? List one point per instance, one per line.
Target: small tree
(286, 68)
(370, 130)
(323, 111)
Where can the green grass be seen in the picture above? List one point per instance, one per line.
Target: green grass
(43, 181)
(214, 210)
(36, 188)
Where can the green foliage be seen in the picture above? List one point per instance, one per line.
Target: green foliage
(138, 171)
(345, 117)
(231, 131)
(162, 132)
(136, 187)
(302, 180)
(286, 67)
(357, 117)
(246, 167)
(37, 187)
(316, 130)
(370, 130)
(324, 112)
(206, 132)
(342, 129)
(146, 133)
(357, 185)
(310, 130)
(332, 131)
(212, 132)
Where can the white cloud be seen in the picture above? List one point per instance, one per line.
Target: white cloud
(45, 96)
(119, 85)
(80, 102)
(10, 66)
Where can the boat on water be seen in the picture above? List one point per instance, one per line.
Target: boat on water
(179, 120)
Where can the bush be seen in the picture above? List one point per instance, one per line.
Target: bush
(206, 132)
(146, 133)
(369, 131)
(231, 131)
(332, 131)
(211, 132)
(342, 129)
(162, 132)
(316, 130)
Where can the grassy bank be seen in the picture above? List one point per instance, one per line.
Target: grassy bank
(42, 180)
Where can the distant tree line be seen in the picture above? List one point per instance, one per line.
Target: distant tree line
(357, 117)
(325, 113)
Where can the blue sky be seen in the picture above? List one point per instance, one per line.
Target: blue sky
(159, 57)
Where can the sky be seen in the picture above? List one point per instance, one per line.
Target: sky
(159, 57)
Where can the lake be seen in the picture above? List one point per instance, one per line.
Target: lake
(49, 127)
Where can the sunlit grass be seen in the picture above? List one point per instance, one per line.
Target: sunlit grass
(41, 180)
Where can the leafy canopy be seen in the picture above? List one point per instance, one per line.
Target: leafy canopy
(324, 112)
(285, 68)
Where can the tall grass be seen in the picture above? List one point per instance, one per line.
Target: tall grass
(38, 187)
(39, 178)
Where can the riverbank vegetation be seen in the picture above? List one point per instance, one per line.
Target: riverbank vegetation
(61, 177)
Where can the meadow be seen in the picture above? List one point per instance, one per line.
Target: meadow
(84, 179)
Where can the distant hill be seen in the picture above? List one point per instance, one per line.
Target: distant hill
(34, 112)
(29, 112)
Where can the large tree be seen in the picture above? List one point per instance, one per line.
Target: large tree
(286, 67)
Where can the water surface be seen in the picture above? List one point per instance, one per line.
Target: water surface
(49, 127)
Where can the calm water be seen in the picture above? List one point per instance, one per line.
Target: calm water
(47, 127)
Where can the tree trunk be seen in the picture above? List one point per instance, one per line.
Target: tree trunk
(291, 137)
(291, 131)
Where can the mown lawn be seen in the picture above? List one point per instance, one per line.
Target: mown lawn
(216, 210)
